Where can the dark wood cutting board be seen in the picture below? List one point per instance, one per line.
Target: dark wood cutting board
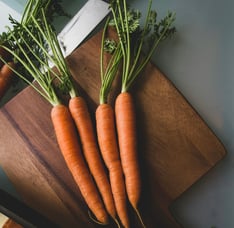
(176, 147)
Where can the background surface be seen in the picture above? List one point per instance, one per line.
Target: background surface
(199, 61)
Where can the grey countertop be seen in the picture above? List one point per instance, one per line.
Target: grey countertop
(198, 60)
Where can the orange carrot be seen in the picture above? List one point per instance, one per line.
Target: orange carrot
(108, 145)
(126, 130)
(81, 116)
(6, 75)
(67, 139)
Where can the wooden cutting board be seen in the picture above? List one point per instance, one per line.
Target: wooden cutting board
(176, 147)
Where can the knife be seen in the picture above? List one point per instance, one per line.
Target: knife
(82, 24)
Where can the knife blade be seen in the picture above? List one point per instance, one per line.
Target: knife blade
(82, 24)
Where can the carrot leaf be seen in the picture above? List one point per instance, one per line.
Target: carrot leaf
(136, 40)
(35, 48)
(109, 72)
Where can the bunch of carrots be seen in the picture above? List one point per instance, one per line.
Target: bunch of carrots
(106, 193)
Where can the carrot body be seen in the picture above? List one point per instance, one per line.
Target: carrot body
(126, 129)
(6, 76)
(108, 145)
(81, 116)
(69, 145)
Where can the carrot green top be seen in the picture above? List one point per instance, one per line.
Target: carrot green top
(45, 52)
(134, 39)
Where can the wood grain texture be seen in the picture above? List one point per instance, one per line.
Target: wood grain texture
(176, 147)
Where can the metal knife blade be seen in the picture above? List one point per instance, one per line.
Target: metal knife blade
(81, 25)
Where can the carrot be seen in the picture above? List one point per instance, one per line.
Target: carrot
(81, 116)
(105, 123)
(70, 148)
(6, 75)
(133, 38)
(4, 54)
(127, 139)
(126, 130)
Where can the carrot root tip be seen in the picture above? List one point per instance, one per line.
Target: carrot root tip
(95, 220)
(139, 217)
(117, 223)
